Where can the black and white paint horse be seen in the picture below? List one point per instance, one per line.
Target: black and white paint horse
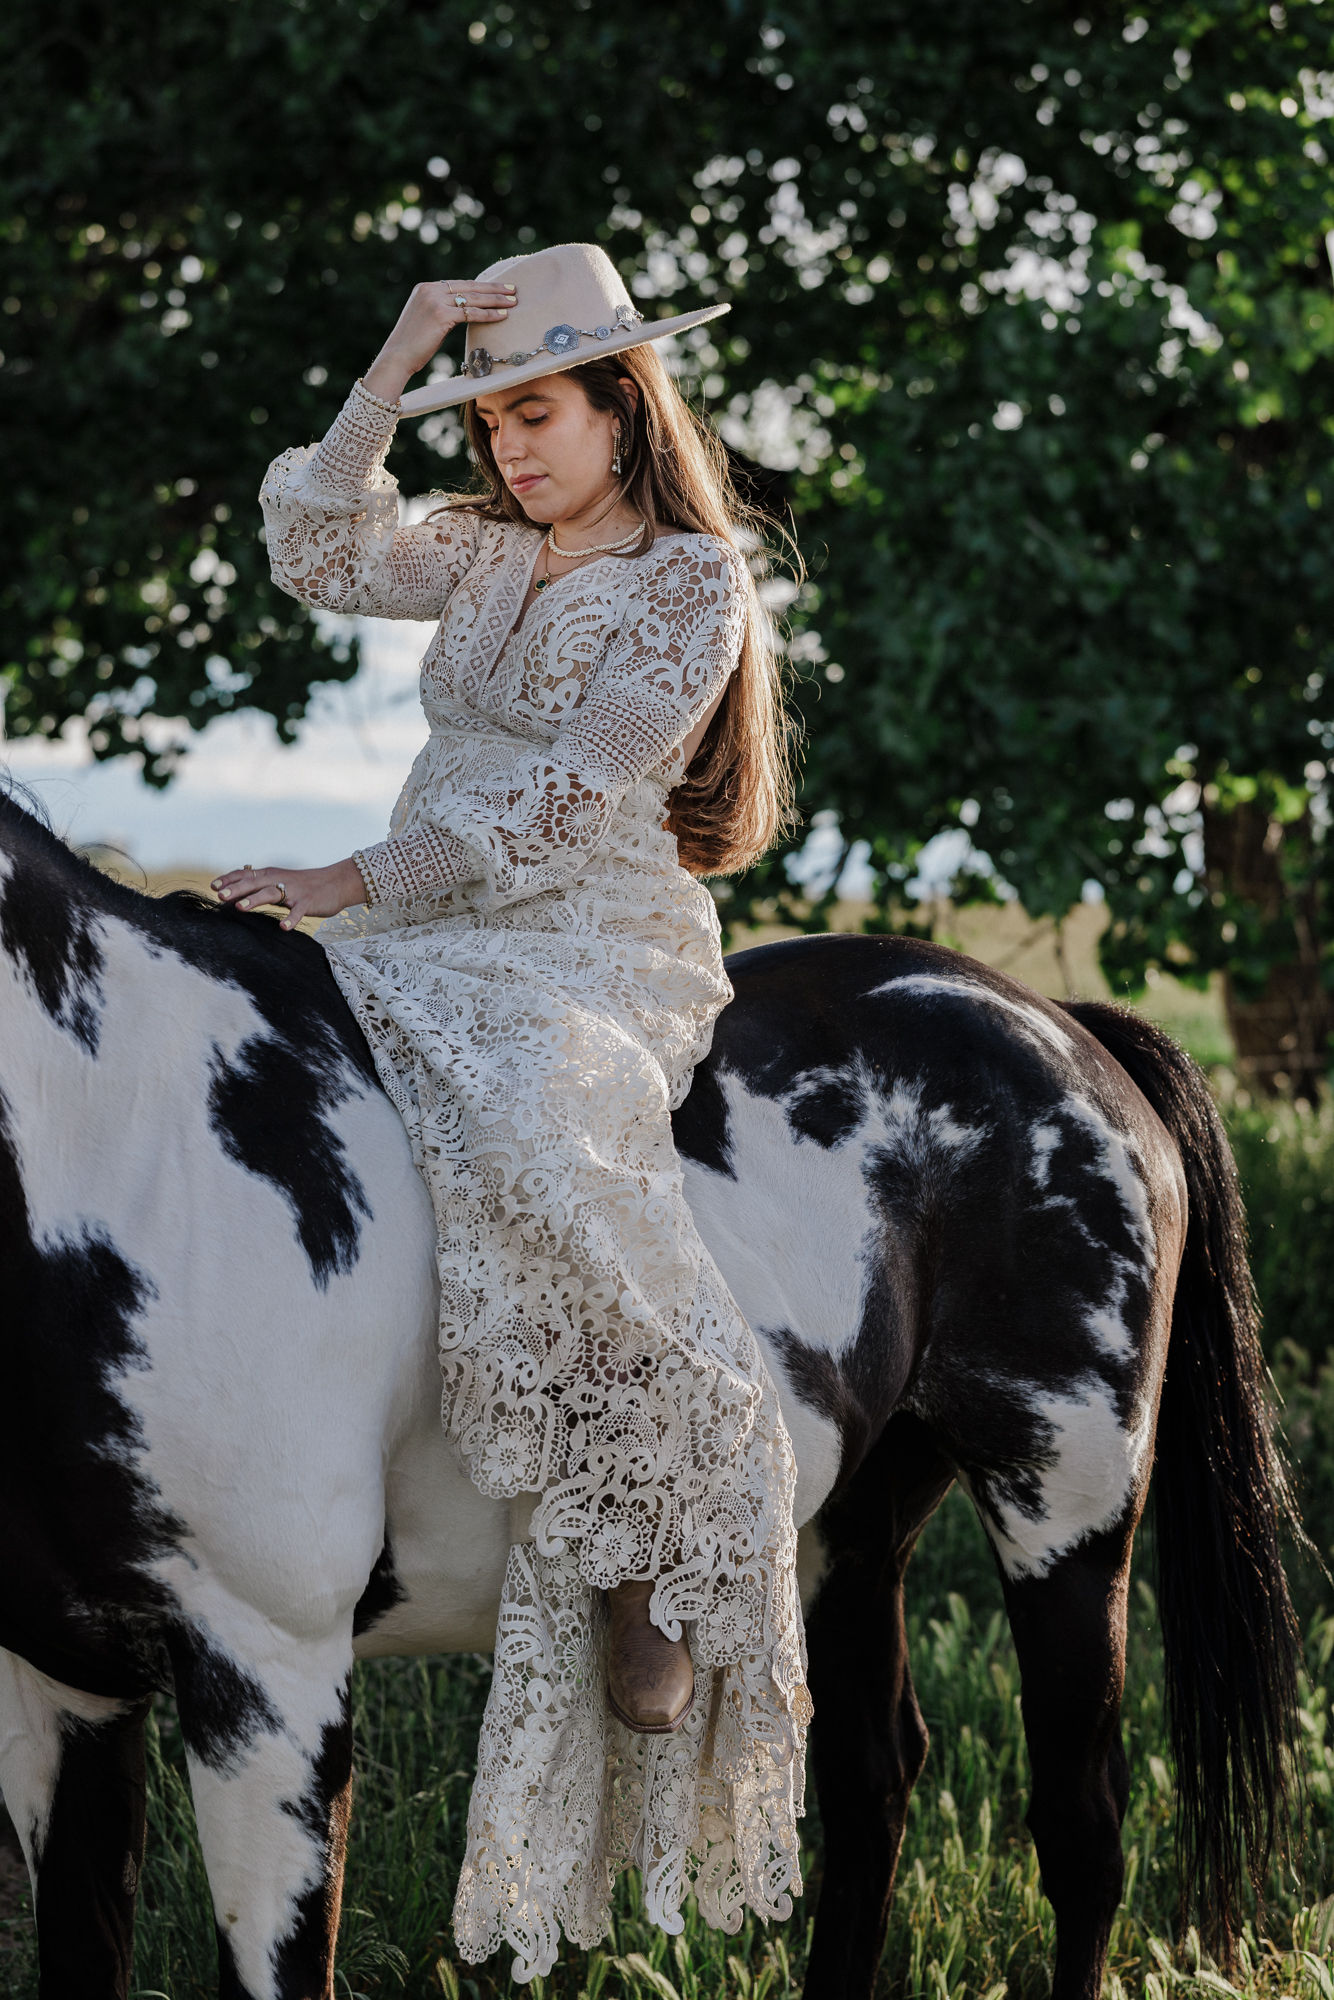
(974, 1229)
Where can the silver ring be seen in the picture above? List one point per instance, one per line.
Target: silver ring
(459, 300)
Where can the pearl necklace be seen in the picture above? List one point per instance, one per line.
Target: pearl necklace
(576, 555)
(593, 548)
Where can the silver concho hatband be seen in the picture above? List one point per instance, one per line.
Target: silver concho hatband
(558, 340)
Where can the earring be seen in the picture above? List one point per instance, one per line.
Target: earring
(616, 451)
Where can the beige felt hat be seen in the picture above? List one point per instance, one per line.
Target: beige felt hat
(572, 307)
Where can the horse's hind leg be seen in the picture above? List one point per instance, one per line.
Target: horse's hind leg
(868, 1740)
(268, 1740)
(1069, 1627)
(72, 1773)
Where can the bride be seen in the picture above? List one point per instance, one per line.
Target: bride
(537, 971)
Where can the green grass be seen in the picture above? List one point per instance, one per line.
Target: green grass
(969, 1920)
(1286, 1160)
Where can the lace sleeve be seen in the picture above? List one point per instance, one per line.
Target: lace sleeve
(680, 640)
(331, 514)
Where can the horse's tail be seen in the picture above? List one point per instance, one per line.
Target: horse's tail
(1221, 1504)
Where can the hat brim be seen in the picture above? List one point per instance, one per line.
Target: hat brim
(453, 389)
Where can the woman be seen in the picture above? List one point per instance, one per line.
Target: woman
(537, 974)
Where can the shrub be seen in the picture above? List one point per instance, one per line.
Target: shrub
(1285, 1155)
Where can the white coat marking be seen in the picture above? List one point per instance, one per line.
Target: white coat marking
(261, 1859)
(1095, 1466)
(810, 1277)
(807, 1278)
(1116, 1162)
(928, 984)
(1045, 1138)
(33, 1709)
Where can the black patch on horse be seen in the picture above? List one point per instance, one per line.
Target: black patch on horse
(53, 939)
(253, 1104)
(224, 1710)
(699, 1125)
(383, 1591)
(90, 1857)
(272, 1114)
(80, 1524)
(827, 1107)
(305, 1955)
(330, 1772)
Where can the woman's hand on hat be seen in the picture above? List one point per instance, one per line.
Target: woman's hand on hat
(432, 311)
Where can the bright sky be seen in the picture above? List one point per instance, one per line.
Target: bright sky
(241, 795)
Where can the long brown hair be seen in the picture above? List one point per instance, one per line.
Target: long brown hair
(736, 799)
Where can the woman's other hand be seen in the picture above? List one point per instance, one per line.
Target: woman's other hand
(431, 312)
(306, 892)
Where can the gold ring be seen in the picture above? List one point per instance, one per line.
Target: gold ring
(282, 892)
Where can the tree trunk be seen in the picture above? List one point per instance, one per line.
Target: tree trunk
(1281, 1037)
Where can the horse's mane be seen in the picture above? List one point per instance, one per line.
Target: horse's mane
(285, 973)
(26, 832)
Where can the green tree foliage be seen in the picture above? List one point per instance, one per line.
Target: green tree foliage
(1041, 291)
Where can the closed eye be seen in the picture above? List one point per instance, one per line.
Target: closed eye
(491, 429)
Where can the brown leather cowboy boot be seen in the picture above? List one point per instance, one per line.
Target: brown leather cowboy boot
(650, 1681)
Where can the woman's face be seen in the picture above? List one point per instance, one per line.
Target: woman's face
(553, 449)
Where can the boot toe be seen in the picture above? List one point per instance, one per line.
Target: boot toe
(653, 1706)
(650, 1679)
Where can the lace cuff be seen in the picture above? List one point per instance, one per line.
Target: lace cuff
(332, 521)
(379, 401)
(363, 868)
(410, 864)
(352, 454)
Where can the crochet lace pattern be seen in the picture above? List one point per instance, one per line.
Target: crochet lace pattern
(537, 977)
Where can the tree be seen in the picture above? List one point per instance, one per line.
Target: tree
(1043, 293)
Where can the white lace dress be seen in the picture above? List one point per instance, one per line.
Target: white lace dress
(537, 976)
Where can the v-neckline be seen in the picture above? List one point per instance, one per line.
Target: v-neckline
(525, 610)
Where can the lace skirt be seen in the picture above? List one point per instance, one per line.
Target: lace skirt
(593, 1357)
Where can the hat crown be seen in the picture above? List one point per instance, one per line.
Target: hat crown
(570, 296)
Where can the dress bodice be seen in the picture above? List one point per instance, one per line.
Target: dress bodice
(553, 739)
(525, 676)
